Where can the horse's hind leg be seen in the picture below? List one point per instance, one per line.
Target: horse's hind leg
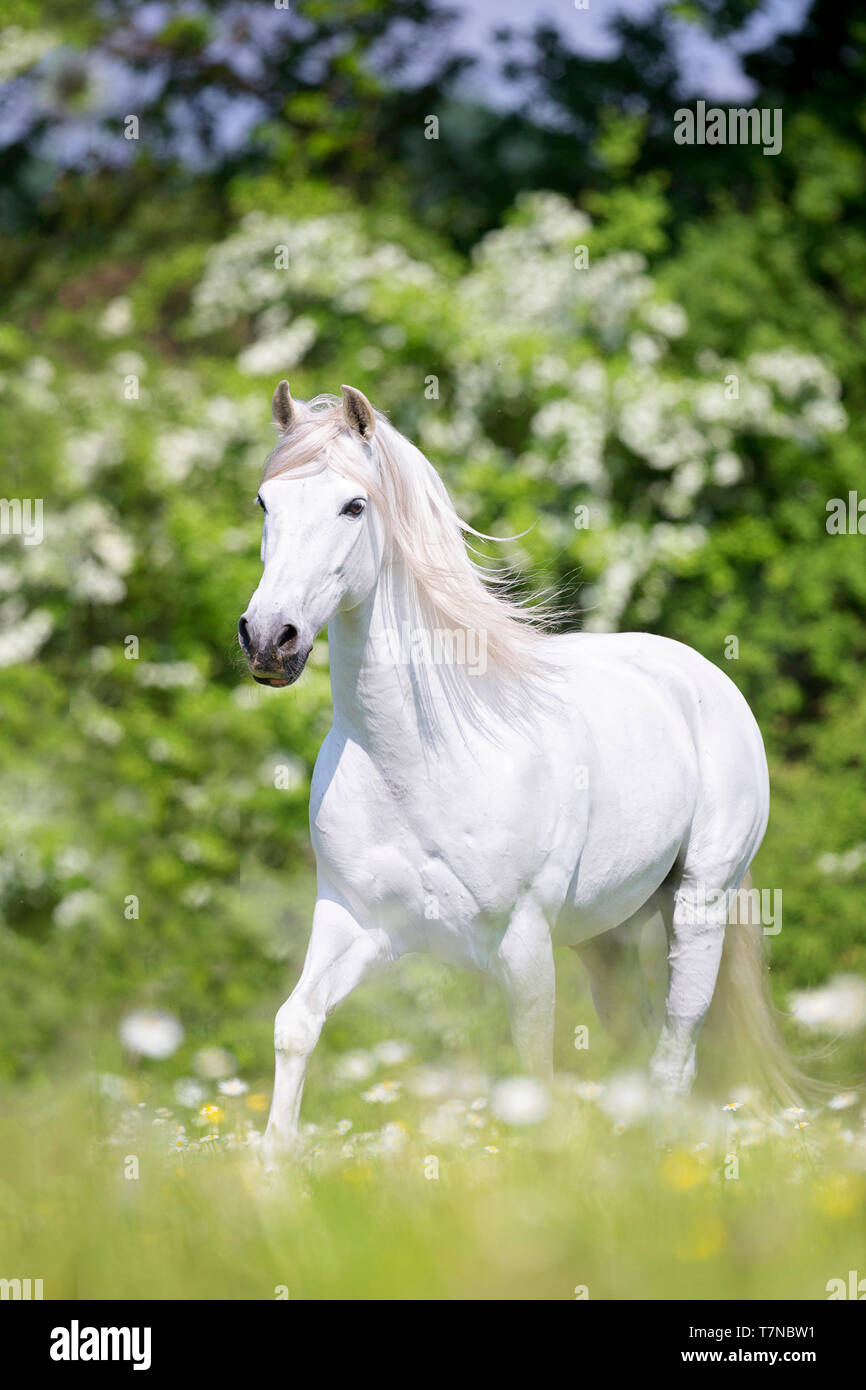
(616, 979)
(695, 913)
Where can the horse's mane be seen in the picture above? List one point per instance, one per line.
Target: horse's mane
(448, 589)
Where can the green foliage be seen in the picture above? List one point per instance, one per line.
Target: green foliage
(146, 325)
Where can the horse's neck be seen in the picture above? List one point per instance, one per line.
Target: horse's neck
(372, 686)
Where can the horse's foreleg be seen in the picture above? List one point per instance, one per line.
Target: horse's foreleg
(524, 967)
(339, 955)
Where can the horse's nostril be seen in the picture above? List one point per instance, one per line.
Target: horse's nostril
(244, 636)
(287, 636)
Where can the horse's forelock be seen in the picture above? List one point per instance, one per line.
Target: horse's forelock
(310, 440)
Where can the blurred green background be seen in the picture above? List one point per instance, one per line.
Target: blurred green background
(147, 319)
(650, 354)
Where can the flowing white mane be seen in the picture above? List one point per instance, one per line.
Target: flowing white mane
(447, 589)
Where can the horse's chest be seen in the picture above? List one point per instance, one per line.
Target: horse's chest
(428, 859)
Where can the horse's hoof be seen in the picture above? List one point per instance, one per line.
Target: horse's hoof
(278, 1154)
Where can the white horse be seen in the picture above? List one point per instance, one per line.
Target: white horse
(489, 791)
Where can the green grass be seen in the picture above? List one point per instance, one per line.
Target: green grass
(607, 1192)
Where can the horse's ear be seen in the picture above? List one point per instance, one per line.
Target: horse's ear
(358, 412)
(283, 408)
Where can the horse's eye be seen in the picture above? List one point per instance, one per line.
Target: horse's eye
(354, 508)
(262, 505)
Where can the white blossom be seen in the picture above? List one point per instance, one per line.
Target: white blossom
(839, 1006)
(151, 1033)
(520, 1100)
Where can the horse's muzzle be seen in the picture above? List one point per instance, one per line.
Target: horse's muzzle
(276, 661)
(279, 672)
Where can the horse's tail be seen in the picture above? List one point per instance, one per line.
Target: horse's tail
(744, 1020)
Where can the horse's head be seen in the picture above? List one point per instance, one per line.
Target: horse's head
(321, 543)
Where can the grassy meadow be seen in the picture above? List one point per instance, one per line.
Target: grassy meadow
(427, 1170)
